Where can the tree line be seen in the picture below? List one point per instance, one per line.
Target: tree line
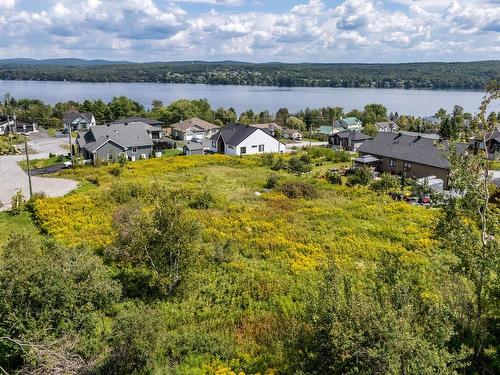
(467, 75)
(452, 125)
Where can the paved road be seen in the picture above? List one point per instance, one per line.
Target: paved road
(12, 176)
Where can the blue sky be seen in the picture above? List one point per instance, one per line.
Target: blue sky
(252, 30)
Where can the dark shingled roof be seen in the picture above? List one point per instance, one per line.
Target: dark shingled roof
(132, 135)
(234, 134)
(200, 145)
(411, 148)
(71, 115)
(352, 135)
(145, 120)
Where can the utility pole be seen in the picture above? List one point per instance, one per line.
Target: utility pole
(28, 165)
(70, 145)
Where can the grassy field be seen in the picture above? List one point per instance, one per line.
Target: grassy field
(19, 223)
(275, 246)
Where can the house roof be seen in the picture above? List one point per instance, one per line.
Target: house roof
(415, 149)
(352, 135)
(234, 134)
(195, 121)
(386, 125)
(325, 129)
(197, 145)
(350, 120)
(436, 137)
(127, 135)
(70, 116)
(290, 131)
(269, 125)
(145, 120)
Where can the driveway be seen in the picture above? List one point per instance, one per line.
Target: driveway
(12, 176)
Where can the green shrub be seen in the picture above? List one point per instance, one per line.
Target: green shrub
(268, 160)
(272, 181)
(279, 164)
(361, 176)
(300, 164)
(116, 170)
(333, 178)
(299, 189)
(203, 201)
(17, 203)
(386, 183)
(123, 192)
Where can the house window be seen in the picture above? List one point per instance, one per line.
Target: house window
(134, 149)
(261, 148)
(407, 165)
(243, 150)
(214, 144)
(110, 157)
(392, 163)
(254, 146)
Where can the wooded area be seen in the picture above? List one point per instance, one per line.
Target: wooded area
(456, 75)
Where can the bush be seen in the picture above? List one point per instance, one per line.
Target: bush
(272, 181)
(299, 189)
(279, 164)
(333, 178)
(387, 183)
(340, 156)
(361, 176)
(116, 170)
(203, 201)
(300, 164)
(123, 192)
(30, 204)
(135, 342)
(268, 160)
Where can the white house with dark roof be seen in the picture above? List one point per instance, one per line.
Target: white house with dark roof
(245, 140)
(78, 120)
(386, 126)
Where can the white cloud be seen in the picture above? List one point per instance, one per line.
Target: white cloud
(352, 30)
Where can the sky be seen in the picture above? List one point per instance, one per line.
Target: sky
(252, 30)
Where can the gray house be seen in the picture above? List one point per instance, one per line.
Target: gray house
(108, 142)
(349, 140)
(78, 120)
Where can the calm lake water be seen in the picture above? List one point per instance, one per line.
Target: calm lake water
(258, 98)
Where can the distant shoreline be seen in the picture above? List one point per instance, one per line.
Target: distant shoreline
(431, 76)
(284, 88)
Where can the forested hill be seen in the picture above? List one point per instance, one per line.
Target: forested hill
(438, 75)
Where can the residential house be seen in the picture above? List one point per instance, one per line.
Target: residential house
(271, 127)
(12, 125)
(108, 142)
(326, 130)
(80, 121)
(387, 126)
(194, 128)
(145, 120)
(235, 139)
(349, 140)
(493, 144)
(196, 147)
(292, 134)
(348, 123)
(416, 155)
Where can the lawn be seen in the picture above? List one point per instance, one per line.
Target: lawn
(18, 223)
(43, 163)
(495, 165)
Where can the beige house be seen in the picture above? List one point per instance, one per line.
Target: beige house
(194, 128)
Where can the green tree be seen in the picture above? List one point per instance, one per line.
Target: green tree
(370, 129)
(225, 116)
(282, 116)
(469, 228)
(122, 106)
(295, 123)
(159, 243)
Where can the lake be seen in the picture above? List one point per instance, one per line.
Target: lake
(258, 98)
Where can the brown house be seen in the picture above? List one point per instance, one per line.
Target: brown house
(415, 155)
